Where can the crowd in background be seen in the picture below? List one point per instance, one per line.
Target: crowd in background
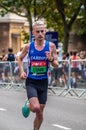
(58, 75)
(5, 66)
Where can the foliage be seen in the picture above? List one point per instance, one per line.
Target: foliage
(25, 37)
(59, 14)
(80, 23)
(68, 10)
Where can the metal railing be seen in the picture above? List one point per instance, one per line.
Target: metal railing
(68, 79)
(71, 80)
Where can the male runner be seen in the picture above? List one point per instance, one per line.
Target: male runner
(41, 53)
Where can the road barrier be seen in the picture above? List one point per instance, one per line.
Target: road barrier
(68, 79)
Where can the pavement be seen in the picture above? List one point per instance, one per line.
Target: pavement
(61, 113)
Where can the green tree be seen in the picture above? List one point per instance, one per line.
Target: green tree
(80, 23)
(53, 19)
(24, 8)
(30, 9)
(59, 14)
(68, 11)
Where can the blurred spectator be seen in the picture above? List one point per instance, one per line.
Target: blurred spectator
(57, 72)
(67, 56)
(74, 67)
(82, 54)
(25, 59)
(10, 56)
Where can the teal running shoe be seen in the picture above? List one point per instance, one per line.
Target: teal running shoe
(25, 109)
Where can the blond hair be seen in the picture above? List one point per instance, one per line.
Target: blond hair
(38, 23)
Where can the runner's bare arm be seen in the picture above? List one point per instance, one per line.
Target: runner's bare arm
(20, 58)
(52, 55)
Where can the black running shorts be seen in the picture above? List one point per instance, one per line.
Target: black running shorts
(37, 88)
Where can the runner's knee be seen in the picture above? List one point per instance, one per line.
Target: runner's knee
(36, 108)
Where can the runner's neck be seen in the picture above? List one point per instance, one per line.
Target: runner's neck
(39, 45)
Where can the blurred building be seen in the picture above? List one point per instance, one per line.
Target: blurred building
(77, 42)
(11, 27)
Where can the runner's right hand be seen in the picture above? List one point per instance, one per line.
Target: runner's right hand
(23, 75)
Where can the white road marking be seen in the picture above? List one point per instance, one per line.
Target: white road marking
(2, 109)
(60, 126)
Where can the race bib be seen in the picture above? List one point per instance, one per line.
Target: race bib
(38, 67)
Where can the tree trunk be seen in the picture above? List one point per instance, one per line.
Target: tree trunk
(30, 24)
(66, 40)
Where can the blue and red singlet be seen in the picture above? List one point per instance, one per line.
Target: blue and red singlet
(38, 62)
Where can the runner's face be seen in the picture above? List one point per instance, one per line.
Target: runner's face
(39, 32)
